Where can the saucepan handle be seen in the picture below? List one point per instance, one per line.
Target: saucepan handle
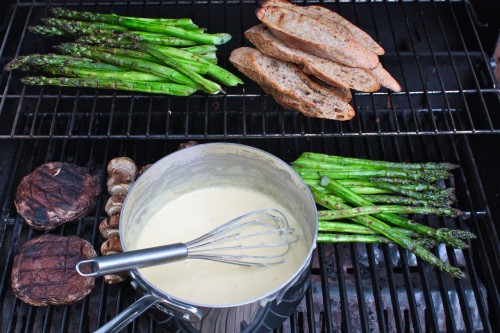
(128, 315)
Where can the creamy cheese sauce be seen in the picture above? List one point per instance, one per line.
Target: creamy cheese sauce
(207, 282)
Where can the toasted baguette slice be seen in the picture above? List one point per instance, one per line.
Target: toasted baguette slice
(333, 20)
(385, 78)
(309, 35)
(331, 72)
(289, 86)
(359, 35)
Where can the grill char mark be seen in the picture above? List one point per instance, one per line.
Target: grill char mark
(44, 270)
(56, 193)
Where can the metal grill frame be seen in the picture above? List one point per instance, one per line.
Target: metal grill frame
(446, 90)
(345, 278)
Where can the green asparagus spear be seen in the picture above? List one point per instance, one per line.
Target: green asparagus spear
(46, 31)
(102, 37)
(389, 232)
(39, 60)
(171, 30)
(442, 235)
(342, 238)
(357, 230)
(396, 200)
(148, 87)
(200, 49)
(213, 70)
(207, 85)
(439, 199)
(190, 69)
(185, 23)
(431, 176)
(353, 228)
(371, 210)
(137, 64)
(332, 159)
(79, 27)
(100, 74)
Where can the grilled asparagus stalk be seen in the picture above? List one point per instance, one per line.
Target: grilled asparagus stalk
(148, 87)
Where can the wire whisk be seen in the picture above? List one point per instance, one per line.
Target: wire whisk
(257, 239)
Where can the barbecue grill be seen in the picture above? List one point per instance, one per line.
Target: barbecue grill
(448, 111)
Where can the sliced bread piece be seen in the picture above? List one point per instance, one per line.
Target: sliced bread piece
(385, 78)
(360, 35)
(312, 36)
(289, 86)
(334, 20)
(331, 72)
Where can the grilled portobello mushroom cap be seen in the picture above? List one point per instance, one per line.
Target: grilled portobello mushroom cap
(44, 271)
(56, 193)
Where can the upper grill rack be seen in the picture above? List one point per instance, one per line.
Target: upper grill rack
(432, 49)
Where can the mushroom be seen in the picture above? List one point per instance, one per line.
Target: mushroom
(188, 144)
(109, 227)
(114, 204)
(111, 246)
(115, 278)
(143, 168)
(117, 185)
(124, 166)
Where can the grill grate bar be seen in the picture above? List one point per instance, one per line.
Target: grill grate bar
(488, 255)
(105, 94)
(466, 315)
(410, 294)
(438, 73)
(311, 320)
(18, 50)
(427, 102)
(360, 294)
(379, 306)
(404, 83)
(474, 76)
(454, 66)
(328, 320)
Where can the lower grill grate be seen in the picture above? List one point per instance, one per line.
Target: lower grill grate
(353, 287)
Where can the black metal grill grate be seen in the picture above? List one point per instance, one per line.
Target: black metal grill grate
(433, 51)
(354, 287)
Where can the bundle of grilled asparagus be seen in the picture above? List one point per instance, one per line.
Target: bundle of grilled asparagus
(295, 41)
(369, 201)
(153, 55)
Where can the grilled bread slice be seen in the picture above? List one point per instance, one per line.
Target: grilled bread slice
(385, 78)
(359, 35)
(333, 19)
(289, 86)
(326, 70)
(310, 35)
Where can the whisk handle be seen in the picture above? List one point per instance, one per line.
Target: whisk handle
(132, 260)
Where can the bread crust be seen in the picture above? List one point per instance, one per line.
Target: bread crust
(276, 78)
(328, 71)
(308, 34)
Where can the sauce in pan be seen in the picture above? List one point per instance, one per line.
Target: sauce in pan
(207, 282)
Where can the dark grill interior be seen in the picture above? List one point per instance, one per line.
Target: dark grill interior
(448, 95)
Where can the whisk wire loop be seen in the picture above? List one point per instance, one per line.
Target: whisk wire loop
(267, 228)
